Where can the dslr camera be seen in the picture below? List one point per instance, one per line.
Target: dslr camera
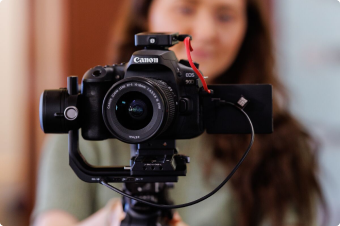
(150, 101)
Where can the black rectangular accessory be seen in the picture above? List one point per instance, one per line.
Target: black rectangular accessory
(156, 39)
(226, 119)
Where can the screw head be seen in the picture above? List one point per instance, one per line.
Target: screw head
(152, 40)
(71, 113)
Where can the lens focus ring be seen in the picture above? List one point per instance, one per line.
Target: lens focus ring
(169, 101)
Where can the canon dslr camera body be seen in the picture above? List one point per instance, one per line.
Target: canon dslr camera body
(153, 95)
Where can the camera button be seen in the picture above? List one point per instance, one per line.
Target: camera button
(186, 63)
(96, 73)
(152, 41)
(183, 105)
(178, 71)
(71, 113)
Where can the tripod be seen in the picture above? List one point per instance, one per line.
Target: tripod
(139, 214)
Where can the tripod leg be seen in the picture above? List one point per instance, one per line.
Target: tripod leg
(139, 214)
(135, 219)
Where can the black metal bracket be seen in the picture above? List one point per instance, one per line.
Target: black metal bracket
(93, 174)
(150, 164)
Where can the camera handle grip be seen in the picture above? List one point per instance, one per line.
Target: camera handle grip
(86, 171)
(78, 163)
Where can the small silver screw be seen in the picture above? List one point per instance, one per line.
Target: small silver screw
(242, 101)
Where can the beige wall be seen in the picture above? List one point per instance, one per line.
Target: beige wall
(50, 42)
(41, 43)
(13, 99)
(32, 58)
(14, 102)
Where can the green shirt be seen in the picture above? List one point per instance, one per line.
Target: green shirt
(59, 188)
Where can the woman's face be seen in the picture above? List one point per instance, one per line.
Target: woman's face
(216, 26)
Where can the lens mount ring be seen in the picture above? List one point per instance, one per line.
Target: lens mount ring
(161, 102)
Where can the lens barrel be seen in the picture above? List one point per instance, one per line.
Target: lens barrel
(138, 108)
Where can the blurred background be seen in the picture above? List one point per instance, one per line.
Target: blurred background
(42, 42)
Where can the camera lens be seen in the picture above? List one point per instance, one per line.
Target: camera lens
(134, 110)
(138, 108)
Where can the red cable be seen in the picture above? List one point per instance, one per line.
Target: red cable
(189, 48)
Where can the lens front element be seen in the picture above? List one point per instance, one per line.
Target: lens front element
(134, 110)
(137, 109)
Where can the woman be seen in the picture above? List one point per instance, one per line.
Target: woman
(276, 184)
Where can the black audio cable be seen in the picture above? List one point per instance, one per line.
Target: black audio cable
(220, 102)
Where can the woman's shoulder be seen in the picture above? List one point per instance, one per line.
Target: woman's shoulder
(195, 145)
(112, 152)
(105, 152)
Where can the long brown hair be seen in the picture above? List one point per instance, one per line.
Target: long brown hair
(279, 174)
